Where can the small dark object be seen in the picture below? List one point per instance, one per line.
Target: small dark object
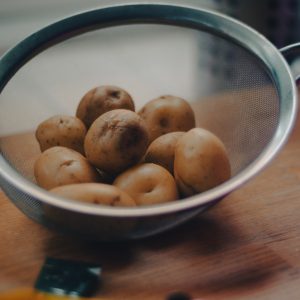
(64, 277)
(179, 296)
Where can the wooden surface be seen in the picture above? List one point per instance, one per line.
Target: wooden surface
(247, 247)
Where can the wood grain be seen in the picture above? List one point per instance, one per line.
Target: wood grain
(246, 247)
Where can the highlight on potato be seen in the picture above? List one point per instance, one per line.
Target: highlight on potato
(200, 162)
(60, 166)
(61, 130)
(116, 140)
(162, 150)
(100, 100)
(148, 184)
(109, 154)
(97, 193)
(167, 114)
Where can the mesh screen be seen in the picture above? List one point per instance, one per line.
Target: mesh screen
(229, 89)
(232, 93)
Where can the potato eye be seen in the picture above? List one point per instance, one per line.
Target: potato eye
(164, 122)
(115, 94)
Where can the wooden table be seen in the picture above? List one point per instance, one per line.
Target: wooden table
(247, 247)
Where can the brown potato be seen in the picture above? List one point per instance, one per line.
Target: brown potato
(148, 184)
(201, 162)
(101, 99)
(117, 140)
(60, 166)
(167, 114)
(61, 130)
(161, 150)
(98, 193)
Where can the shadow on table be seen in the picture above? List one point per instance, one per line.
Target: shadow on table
(207, 254)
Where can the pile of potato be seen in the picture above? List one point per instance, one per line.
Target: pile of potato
(109, 154)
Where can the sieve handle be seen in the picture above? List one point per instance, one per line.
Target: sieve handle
(292, 55)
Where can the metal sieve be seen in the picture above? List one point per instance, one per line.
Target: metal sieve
(149, 49)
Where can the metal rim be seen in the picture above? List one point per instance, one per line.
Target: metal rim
(292, 50)
(179, 15)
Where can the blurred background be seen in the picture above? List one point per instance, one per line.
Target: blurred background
(205, 65)
(278, 20)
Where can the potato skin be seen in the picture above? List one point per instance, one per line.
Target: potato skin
(116, 140)
(97, 193)
(100, 100)
(167, 114)
(60, 166)
(162, 150)
(148, 184)
(201, 162)
(61, 130)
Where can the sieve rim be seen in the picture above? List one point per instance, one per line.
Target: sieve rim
(185, 16)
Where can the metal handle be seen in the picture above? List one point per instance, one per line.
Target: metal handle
(292, 55)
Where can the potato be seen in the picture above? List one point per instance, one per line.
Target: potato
(161, 150)
(116, 140)
(148, 184)
(201, 162)
(61, 130)
(97, 193)
(60, 166)
(102, 99)
(167, 114)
